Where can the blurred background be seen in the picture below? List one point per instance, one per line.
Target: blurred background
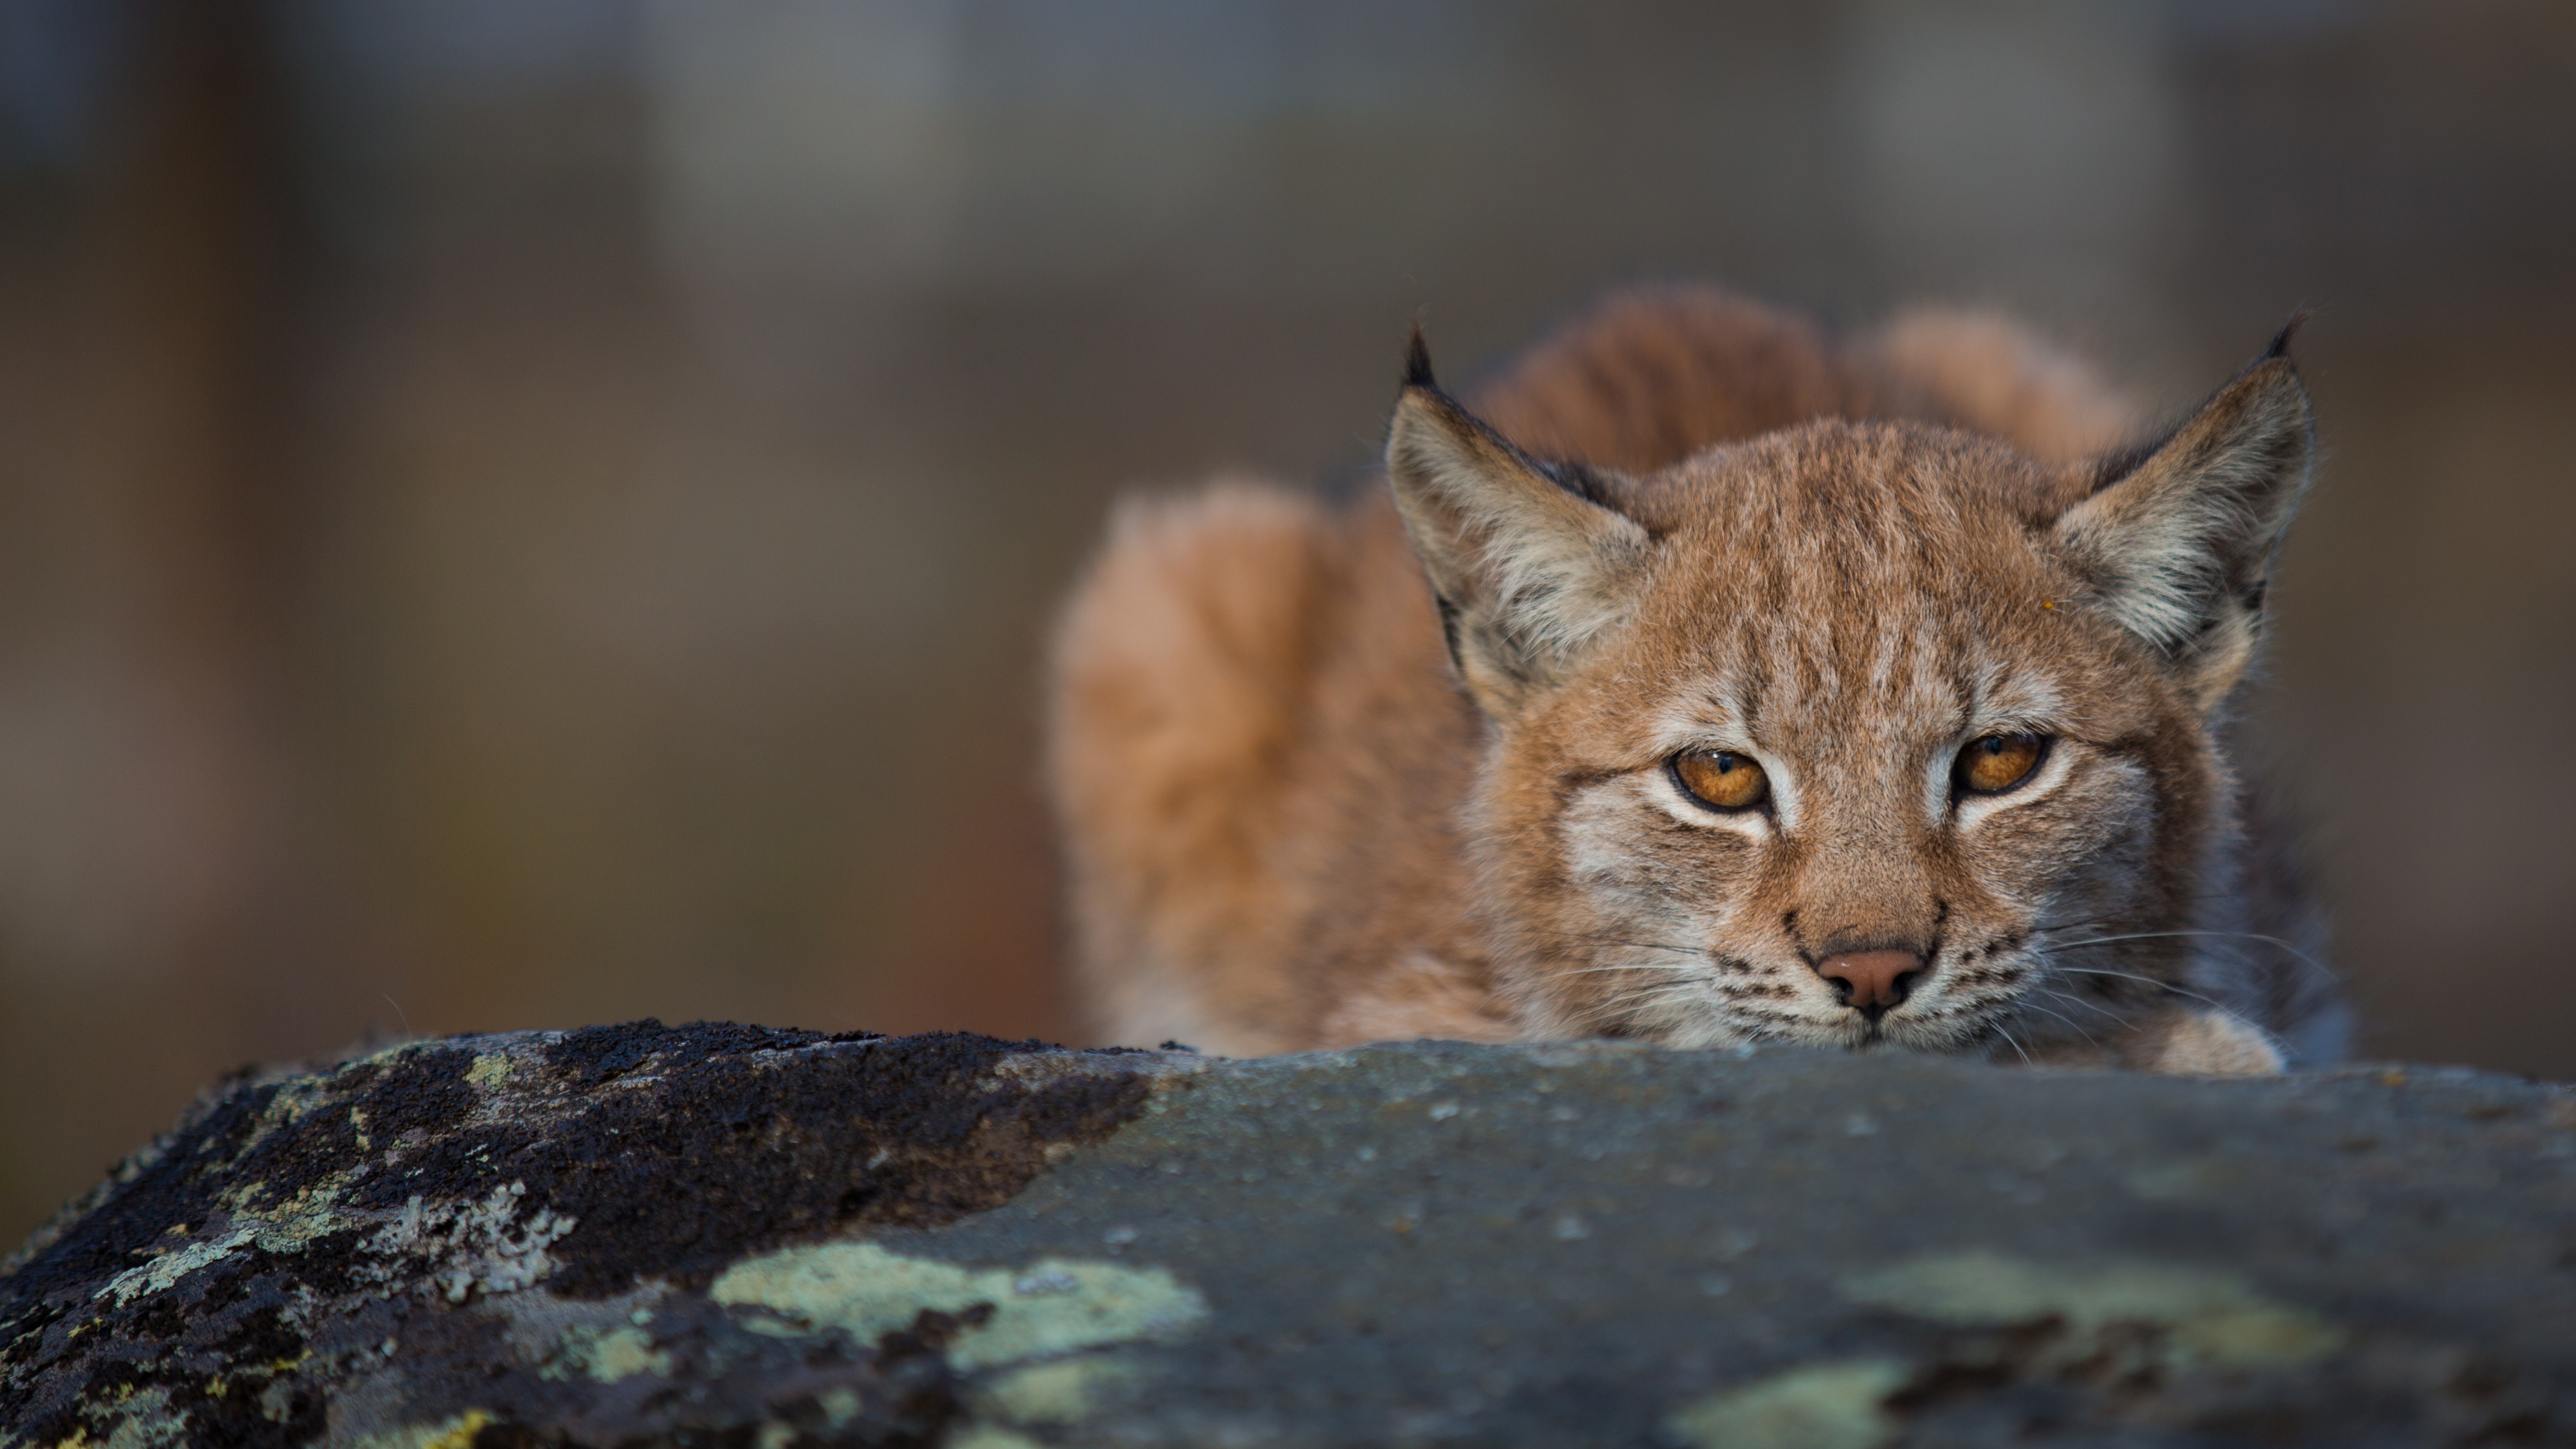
(534, 512)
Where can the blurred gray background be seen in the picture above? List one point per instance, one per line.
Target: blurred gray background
(534, 512)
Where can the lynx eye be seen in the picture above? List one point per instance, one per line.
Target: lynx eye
(1996, 763)
(1721, 779)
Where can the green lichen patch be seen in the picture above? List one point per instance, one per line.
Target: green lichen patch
(460, 1249)
(165, 1271)
(607, 1356)
(2184, 1315)
(1065, 1391)
(1007, 1315)
(1816, 1406)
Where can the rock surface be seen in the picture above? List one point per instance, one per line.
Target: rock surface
(726, 1235)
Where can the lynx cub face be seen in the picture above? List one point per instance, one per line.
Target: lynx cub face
(1764, 689)
(1851, 732)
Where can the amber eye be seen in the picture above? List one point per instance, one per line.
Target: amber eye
(1721, 780)
(1996, 763)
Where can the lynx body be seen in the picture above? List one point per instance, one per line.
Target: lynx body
(1707, 682)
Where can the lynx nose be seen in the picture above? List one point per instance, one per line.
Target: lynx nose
(1871, 980)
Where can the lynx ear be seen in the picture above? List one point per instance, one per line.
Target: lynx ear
(1526, 567)
(2177, 539)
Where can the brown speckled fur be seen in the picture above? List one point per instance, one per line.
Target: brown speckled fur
(1299, 817)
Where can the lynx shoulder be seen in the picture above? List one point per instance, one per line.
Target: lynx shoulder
(1706, 681)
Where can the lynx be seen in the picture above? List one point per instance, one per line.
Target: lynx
(1707, 682)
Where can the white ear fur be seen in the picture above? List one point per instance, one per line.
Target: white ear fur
(1526, 571)
(2178, 544)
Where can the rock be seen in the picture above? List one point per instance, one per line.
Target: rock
(726, 1235)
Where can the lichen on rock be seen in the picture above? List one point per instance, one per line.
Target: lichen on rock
(341, 1255)
(1005, 1315)
(646, 1235)
(1840, 1405)
(2185, 1316)
(465, 1248)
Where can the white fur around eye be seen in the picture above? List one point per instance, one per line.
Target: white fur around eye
(2052, 773)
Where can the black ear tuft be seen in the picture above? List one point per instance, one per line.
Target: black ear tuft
(2118, 464)
(1417, 358)
(2281, 340)
(1527, 563)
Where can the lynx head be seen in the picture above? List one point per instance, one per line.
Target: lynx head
(1853, 732)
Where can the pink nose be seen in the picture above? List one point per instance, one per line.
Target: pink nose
(1871, 980)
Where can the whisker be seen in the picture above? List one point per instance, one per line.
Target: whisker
(2061, 1016)
(2071, 999)
(2303, 957)
(2000, 1030)
(1643, 1006)
(2149, 980)
(2198, 898)
(2072, 925)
